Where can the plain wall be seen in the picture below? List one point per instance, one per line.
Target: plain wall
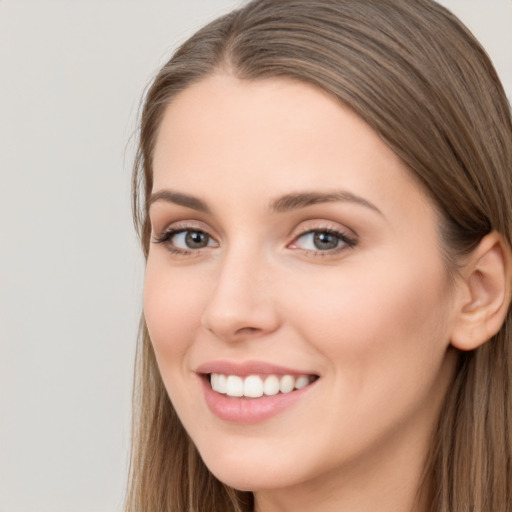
(71, 75)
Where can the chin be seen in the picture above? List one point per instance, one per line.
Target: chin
(251, 479)
(254, 470)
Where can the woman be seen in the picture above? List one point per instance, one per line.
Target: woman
(323, 192)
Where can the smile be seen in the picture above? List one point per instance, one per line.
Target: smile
(255, 386)
(253, 391)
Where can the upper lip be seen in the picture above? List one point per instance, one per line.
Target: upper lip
(243, 369)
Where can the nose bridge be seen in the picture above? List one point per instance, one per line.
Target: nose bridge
(241, 302)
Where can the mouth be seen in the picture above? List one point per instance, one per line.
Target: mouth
(257, 386)
(251, 392)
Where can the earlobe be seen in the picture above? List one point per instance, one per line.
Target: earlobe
(485, 297)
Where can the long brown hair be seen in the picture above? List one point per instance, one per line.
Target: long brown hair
(418, 77)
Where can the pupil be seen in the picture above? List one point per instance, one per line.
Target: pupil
(325, 241)
(196, 239)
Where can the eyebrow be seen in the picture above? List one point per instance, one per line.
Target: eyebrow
(295, 201)
(288, 202)
(180, 199)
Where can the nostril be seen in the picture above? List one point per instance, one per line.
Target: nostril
(247, 330)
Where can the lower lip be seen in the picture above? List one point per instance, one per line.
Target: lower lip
(250, 410)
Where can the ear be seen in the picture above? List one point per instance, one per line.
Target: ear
(485, 291)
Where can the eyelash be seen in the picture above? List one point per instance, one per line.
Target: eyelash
(346, 241)
(167, 236)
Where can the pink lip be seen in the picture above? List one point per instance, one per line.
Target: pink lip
(243, 369)
(248, 410)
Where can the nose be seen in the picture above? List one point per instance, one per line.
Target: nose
(242, 303)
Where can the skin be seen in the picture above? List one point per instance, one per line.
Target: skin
(372, 320)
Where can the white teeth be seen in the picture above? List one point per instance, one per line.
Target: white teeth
(254, 386)
(234, 386)
(222, 386)
(271, 385)
(287, 384)
(301, 382)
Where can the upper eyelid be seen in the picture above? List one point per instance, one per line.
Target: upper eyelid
(311, 225)
(168, 234)
(349, 240)
(175, 230)
(184, 225)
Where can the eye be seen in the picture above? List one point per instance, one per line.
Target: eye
(324, 240)
(186, 240)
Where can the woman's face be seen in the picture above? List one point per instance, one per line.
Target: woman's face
(291, 245)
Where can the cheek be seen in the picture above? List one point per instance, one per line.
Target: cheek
(374, 321)
(172, 309)
(384, 337)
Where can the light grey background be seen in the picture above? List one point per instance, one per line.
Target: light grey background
(71, 75)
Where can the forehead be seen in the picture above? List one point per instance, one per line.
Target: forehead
(268, 137)
(273, 115)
